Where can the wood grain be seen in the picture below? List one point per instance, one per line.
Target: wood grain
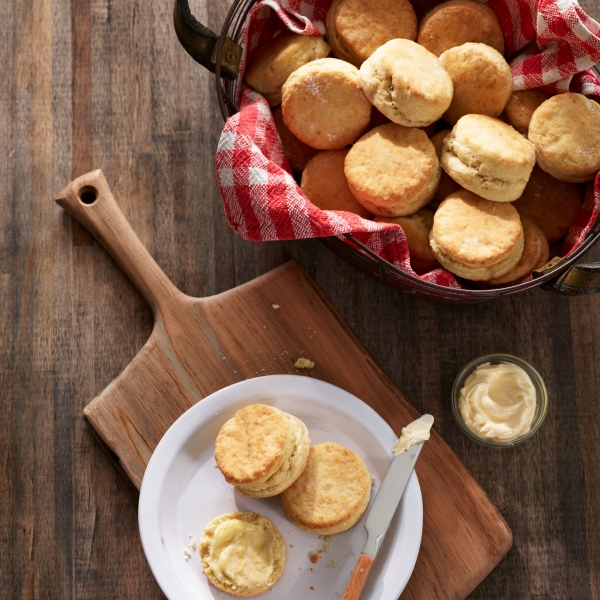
(200, 345)
(359, 577)
(70, 320)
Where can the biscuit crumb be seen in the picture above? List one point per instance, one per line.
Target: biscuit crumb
(311, 587)
(304, 363)
(314, 558)
(291, 545)
(333, 564)
(275, 306)
(326, 548)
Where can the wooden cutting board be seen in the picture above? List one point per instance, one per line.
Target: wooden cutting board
(200, 345)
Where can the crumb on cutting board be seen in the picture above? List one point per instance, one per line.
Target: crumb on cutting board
(304, 363)
(275, 306)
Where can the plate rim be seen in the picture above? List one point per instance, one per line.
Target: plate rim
(182, 427)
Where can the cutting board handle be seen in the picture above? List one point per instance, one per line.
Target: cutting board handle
(88, 199)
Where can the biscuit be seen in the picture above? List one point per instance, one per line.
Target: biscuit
(488, 157)
(417, 228)
(392, 170)
(406, 83)
(482, 81)
(271, 64)
(325, 185)
(457, 22)
(356, 28)
(262, 450)
(551, 204)
(242, 554)
(332, 493)
(564, 131)
(447, 185)
(521, 106)
(298, 153)
(475, 238)
(535, 255)
(323, 104)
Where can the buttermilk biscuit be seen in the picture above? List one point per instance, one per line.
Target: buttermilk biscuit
(272, 64)
(323, 104)
(393, 170)
(521, 106)
(535, 254)
(417, 228)
(447, 185)
(488, 157)
(457, 22)
(326, 186)
(551, 204)
(482, 81)
(475, 238)
(298, 153)
(356, 28)
(262, 450)
(242, 554)
(406, 83)
(332, 493)
(564, 131)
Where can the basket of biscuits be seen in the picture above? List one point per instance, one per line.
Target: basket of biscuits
(449, 150)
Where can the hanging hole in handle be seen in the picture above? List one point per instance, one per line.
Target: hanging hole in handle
(88, 195)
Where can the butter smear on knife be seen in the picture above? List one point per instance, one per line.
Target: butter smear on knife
(414, 433)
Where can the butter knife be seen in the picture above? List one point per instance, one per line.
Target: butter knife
(380, 516)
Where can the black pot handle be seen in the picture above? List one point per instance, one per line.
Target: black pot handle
(201, 43)
(579, 280)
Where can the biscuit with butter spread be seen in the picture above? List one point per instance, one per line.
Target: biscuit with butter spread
(332, 493)
(262, 450)
(242, 554)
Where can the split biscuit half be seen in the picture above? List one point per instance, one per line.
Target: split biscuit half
(332, 493)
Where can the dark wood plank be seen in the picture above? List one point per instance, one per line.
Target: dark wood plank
(94, 83)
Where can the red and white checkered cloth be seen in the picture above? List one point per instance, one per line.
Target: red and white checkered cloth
(554, 42)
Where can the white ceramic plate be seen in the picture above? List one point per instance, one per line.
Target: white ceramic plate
(183, 490)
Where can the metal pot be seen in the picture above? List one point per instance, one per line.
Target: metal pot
(561, 275)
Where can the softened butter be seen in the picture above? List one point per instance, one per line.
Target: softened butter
(498, 402)
(240, 553)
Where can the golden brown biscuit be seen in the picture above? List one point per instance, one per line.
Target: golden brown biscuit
(298, 153)
(242, 554)
(406, 83)
(323, 104)
(482, 81)
(551, 204)
(564, 131)
(262, 450)
(475, 238)
(417, 228)
(332, 493)
(488, 157)
(325, 185)
(271, 64)
(393, 171)
(535, 255)
(457, 22)
(356, 28)
(521, 106)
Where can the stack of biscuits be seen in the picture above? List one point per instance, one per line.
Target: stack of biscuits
(263, 452)
(417, 124)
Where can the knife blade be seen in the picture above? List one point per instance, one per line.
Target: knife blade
(380, 516)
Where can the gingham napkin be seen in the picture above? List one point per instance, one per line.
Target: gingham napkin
(554, 42)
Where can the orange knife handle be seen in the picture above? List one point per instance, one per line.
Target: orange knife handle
(359, 577)
(88, 199)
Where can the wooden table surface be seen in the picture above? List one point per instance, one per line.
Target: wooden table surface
(95, 83)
